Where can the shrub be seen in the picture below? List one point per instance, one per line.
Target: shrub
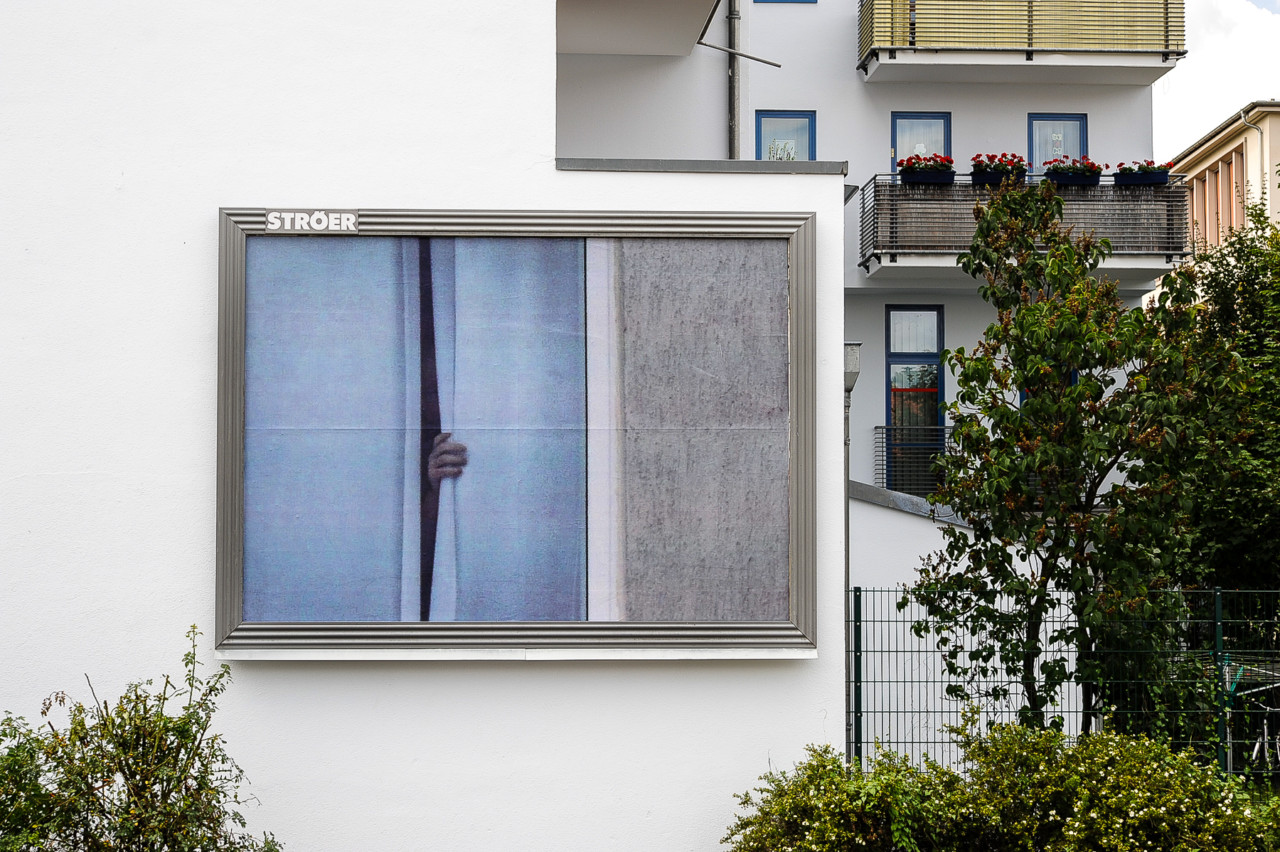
(1030, 790)
(146, 773)
(1024, 790)
(825, 805)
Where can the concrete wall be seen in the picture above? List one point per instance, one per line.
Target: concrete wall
(124, 128)
(887, 544)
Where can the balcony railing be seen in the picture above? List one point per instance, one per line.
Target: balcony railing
(900, 218)
(1128, 26)
(904, 457)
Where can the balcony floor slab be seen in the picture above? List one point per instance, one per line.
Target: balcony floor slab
(918, 65)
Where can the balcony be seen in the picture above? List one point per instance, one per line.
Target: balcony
(913, 233)
(1131, 42)
(904, 457)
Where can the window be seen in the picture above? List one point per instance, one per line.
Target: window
(923, 133)
(784, 1)
(786, 135)
(913, 397)
(1051, 136)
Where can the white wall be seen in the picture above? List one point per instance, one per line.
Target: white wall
(123, 129)
(673, 107)
(886, 545)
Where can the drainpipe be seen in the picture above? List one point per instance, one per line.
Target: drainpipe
(735, 25)
(1262, 159)
(851, 370)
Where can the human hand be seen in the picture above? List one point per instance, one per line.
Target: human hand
(446, 460)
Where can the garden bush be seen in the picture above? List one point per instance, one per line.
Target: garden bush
(825, 805)
(1022, 789)
(145, 773)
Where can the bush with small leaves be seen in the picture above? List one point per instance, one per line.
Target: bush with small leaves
(1024, 789)
(825, 805)
(145, 774)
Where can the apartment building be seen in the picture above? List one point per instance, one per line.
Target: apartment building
(1231, 166)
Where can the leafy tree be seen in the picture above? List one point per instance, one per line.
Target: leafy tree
(1232, 464)
(146, 773)
(1056, 411)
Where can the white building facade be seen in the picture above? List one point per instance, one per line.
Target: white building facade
(128, 129)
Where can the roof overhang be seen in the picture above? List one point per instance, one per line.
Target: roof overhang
(650, 28)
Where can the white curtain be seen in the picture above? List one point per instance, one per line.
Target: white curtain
(509, 319)
(328, 418)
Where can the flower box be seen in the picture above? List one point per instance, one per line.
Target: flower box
(932, 176)
(1073, 179)
(1141, 178)
(994, 179)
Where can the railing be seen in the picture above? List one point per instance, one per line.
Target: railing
(938, 219)
(904, 457)
(1129, 26)
(1205, 675)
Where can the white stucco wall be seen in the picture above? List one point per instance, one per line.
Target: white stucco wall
(886, 545)
(123, 129)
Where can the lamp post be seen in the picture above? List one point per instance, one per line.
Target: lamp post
(851, 370)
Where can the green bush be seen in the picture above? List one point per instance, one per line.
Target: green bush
(146, 773)
(825, 805)
(1023, 790)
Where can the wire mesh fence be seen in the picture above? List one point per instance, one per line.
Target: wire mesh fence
(1200, 669)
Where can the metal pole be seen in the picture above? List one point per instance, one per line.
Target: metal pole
(1223, 752)
(856, 627)
(852, 621)
(735, 22)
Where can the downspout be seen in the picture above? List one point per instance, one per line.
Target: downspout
(735, 24)
(1262, 159)
(852, 712)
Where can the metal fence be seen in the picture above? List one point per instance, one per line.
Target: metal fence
(938, 219)
(1134, 26)
(1200, 669)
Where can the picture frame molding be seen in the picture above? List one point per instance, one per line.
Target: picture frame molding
(794, 638)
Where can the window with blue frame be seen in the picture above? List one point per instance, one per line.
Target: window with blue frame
(1055, 135)
(786, 134)
(923, 133)
(914, 432)
(784, 1)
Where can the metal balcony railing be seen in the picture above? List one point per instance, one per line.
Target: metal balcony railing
(1123, 26)
(904, 457)
(931, 219)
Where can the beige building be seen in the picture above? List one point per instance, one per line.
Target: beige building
(1234, 164)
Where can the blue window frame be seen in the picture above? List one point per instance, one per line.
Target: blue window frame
(924, 133)
(914, 432)
(1051, 135)
(786, 134)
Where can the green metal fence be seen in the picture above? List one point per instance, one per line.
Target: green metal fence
(1198, 668)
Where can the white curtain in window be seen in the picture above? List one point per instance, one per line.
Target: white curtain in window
(1053, 138)
(922, 136)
